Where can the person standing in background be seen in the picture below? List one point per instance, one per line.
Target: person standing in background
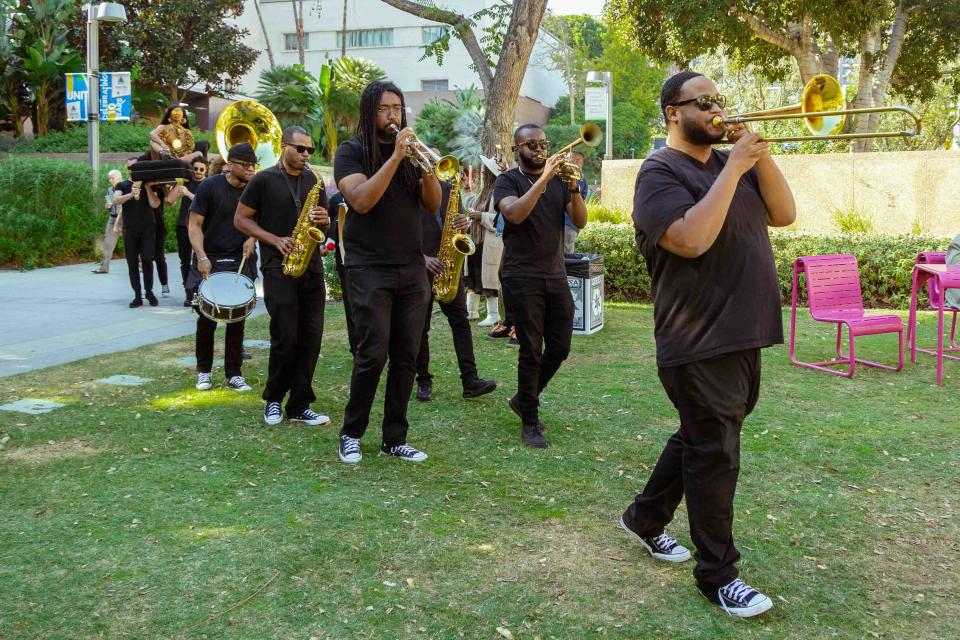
(112, 232)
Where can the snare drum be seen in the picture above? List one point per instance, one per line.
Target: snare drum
(226, 297)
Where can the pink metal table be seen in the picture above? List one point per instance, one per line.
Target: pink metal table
(947, 277)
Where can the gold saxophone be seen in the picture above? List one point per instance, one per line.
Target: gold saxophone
(454, 246)
(306, 235)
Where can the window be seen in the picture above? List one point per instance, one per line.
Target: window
(290, 41)
(434, 85)
(367, 38)
(431, 34)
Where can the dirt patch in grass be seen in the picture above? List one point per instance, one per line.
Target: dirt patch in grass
(50, 452)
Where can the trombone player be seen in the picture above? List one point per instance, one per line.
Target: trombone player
(701, 218)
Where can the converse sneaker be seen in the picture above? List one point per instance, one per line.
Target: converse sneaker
(739, 599)
(661, 547)
(272, 414)
(310, 418)
(350, 449)
(204, 382)
(404, 452)
(237, 383)
(165, 291)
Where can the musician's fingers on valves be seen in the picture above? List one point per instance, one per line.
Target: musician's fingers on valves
(320, 216)
(460, 222)
(284, 245)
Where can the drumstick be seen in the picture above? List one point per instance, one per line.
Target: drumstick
(244, 259)
(213, 294)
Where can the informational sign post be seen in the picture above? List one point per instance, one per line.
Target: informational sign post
(114, 97)
(595, 103)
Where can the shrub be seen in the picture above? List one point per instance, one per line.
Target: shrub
(115, 137)
(332, 278)
(852, 221)
(885, 262)
(597, 212)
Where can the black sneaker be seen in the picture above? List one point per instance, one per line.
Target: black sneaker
(237, 383)
(350, 449)
(738, 599)
(514, 403)
(136, 302)
(310, 418)
(246, 354)
(478, 387)
(661, 547)
(165, 291)
(152, 299)
(272, 414)
(532, 436)
(404, 452)
(424, 391)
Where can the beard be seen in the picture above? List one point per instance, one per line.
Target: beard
(698, 134)
(534, 163)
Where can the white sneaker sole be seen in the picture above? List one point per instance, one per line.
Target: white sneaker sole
(313, 423)
(388, 455)
(748, 612)
(204, 387)
(677, 558)
(273, 421)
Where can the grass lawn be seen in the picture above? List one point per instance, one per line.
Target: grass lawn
(140, 512)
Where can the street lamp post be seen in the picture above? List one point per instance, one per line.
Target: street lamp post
(606, 77)
(102, 12)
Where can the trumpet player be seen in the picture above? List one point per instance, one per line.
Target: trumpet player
(701, 218)
(533, 198)
(385, 274)
(269, 209)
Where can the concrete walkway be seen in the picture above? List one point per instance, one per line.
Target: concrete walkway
(52, 316)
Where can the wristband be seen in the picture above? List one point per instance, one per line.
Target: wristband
(203, 258)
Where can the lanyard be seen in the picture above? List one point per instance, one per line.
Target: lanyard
(286, 181)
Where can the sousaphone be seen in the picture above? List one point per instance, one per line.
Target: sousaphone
(250, 121)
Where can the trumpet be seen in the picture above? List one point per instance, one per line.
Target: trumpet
(821, 108)
(423, 157)
(590, 135)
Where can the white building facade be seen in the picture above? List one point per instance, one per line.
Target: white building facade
(394, 41)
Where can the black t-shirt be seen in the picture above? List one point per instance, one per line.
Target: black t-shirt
(270, 192)
(216, 200)
(726, 300)
(185, 203)
(388, 234)
(137, 213)
(533, 248)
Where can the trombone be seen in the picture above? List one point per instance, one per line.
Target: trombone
(422, 156)
(822, 110)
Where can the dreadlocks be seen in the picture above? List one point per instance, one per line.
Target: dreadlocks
(367, 133)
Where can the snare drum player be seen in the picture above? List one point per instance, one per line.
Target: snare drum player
(268, 211)
(219, 246)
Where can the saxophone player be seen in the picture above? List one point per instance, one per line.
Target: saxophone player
(268, 211)
(386, 279)
(533, 199)
(433, 223)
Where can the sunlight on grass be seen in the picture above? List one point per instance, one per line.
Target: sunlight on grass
(191, 398)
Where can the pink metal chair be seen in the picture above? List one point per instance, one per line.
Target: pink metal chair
(834, 296)
(935, 296)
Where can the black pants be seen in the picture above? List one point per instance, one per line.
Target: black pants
(159, 255)
(296, 308)
(542, 311)
(456, 312)
(701, 461)
(139, 243)
(184, 251)
(232, 351)
(345, 295)
(388, 306)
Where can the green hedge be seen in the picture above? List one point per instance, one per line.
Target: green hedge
(48, 215)
(115, 137)
(885, 261)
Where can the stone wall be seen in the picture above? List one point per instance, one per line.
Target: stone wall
(898, 191)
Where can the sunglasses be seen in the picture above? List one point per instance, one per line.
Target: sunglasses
(533, 145)
(243, 165)
(704, 103)
(300, 148)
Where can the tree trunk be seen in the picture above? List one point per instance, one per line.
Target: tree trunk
(298, 24)
(266, 38)
(504, 91)
(43, 111)
(343, 32)
(174, 93)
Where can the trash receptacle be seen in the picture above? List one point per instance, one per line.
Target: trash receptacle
(585, 279)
